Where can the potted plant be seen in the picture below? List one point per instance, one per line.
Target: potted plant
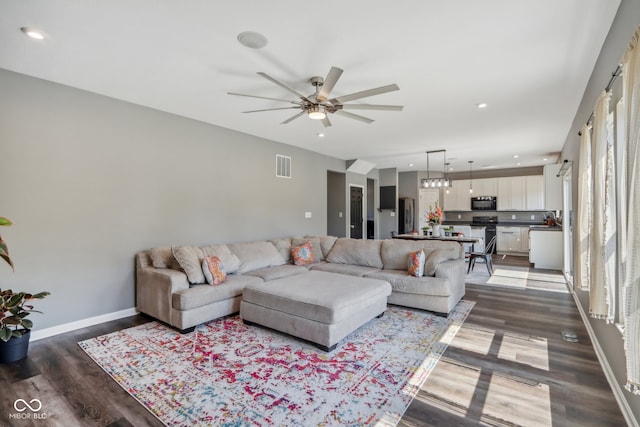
(15, 328)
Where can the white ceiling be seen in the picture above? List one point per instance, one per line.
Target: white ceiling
(530, 61)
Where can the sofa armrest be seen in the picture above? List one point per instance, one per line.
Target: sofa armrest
(154, 290)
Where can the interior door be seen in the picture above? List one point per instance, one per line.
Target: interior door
(357, 211)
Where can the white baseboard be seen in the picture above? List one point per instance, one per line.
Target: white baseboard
(618, 391)
(72, 326)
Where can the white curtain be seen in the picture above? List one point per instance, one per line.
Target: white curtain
(631, 93)
(602, 288)
(583, 224)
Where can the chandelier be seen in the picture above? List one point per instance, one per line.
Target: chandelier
(441, 182)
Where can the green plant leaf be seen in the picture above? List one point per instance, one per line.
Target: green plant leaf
(40, 295)
(5, 334)
(4, 252)
(5, 221)
(27, 324)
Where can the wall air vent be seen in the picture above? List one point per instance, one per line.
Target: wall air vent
(283, 166)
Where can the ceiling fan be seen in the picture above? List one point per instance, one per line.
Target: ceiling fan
(318, 105)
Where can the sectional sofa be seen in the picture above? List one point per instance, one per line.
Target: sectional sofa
(171, 285)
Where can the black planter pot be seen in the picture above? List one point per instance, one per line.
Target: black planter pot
(15, 348)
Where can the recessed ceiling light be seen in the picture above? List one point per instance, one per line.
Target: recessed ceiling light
(515, 156)
(482, 105)
(518, 164)
(410, 165)
(33, 33)
(252, 39)
(545, 159)
(489, 166)
(320, 135)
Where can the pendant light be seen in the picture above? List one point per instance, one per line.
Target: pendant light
(470, 178)
(445, 181)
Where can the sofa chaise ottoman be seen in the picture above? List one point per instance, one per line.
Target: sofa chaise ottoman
(316, 306)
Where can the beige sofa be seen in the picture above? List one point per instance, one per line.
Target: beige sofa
(170, 286)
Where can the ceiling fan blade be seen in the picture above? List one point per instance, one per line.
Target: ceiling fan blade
(326, 122)
(284, 86)
(329, 82)
(302, 113)
(271, 109)
(263, 97)
(365, 93)
(354, 116)
(372, 107)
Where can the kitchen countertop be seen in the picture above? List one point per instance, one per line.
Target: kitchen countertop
(535, 225)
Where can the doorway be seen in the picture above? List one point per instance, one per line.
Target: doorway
(356, 206)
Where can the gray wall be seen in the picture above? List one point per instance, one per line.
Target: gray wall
(89, 181)
(625, 23)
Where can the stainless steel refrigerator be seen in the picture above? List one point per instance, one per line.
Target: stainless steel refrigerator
(406, 215)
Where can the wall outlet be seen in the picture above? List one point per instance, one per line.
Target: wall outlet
(339, 214)
(459, 216)
(513, 216)
(307, 214)
(533, 217)
(392, 213)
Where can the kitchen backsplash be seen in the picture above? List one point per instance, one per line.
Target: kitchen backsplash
(532, 217)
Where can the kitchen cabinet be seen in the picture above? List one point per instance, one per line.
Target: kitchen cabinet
(552, 188)
(521, 193)
(458, 198)
(513, 240)
(512, 193)
(546, 249)
(485, 187)
(534, 192)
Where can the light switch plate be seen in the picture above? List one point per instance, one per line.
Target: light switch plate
(339, 214)
(513, 216)
(533, 217)
(393, 213)
(307, 214)
(459, 216)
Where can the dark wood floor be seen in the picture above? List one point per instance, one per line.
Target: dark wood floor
(508, 365)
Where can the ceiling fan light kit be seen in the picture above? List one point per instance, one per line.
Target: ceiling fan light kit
(318, 105)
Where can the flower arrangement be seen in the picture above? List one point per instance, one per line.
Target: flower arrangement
(435, 216)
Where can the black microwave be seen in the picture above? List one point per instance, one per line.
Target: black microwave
(484, 203)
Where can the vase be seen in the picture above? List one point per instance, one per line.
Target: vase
(436, 230)
(14, 349)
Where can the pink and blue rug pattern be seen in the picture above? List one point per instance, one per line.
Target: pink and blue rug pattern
(228, 374)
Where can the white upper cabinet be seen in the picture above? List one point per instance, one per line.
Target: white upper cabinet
(485, 187)
(458, 198)
(534, 192)
(552, 188)
(512, 193)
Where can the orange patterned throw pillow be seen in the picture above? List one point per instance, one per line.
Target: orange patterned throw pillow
(213, 270)
(302, 254)
(416, 263)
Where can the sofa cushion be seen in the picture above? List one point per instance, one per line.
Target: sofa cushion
(456, 249)
(326, 243)
(394, 252)
(438, 256)
(357, 252)
(255, 255)
(190, 260)
(402, 282)
(302, 254)
(315, 244)
(277, 272)
(415, 263)
(229, 260)
(213, 270)
(284, 247)
(202, 295)
(351, 270)
(162, 257)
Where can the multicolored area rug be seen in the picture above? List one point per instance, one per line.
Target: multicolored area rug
(226, 373)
